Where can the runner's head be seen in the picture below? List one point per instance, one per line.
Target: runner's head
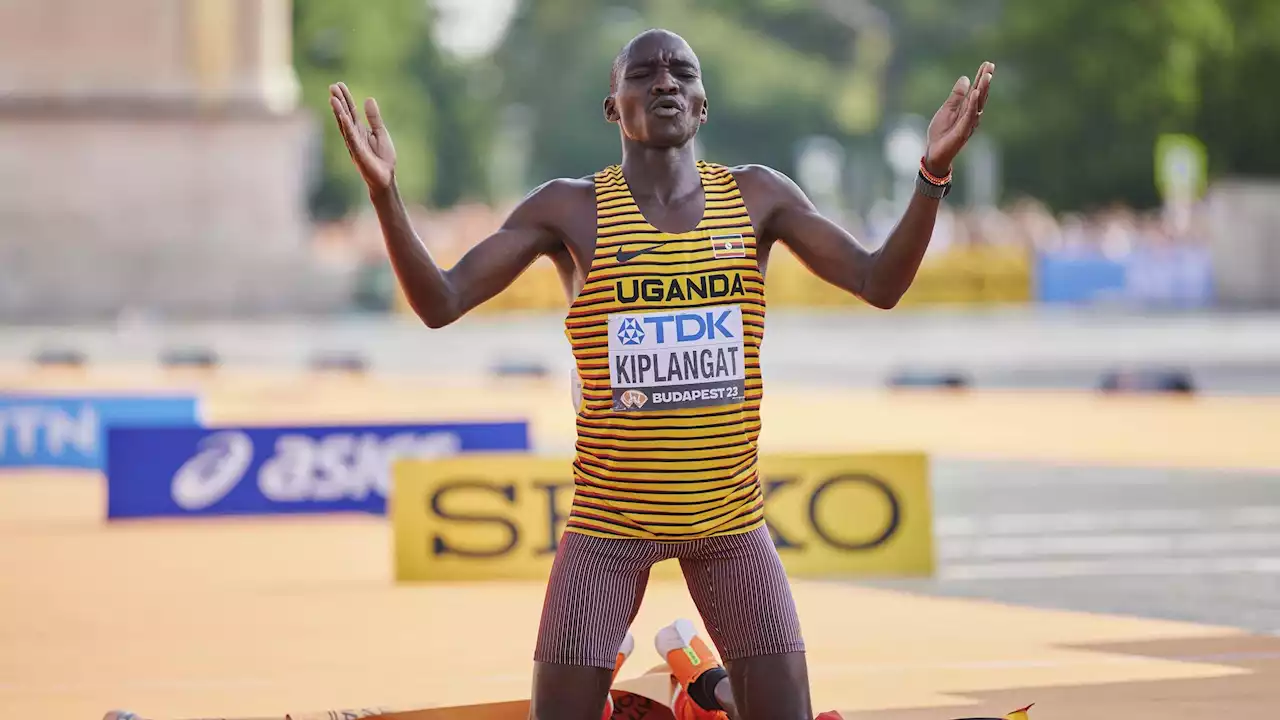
(656, 94)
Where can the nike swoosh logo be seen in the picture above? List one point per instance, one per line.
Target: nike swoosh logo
(629, 256)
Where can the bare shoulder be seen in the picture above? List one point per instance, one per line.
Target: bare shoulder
(562, 192)
(768, 195)
(763, 183)
(555, 202)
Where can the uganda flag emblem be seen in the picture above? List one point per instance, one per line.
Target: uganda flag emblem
(728, 246)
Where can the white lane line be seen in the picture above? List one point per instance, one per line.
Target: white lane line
(1269, 565)
(1105, 520)
(956, 548)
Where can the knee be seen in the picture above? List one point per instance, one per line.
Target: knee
(771, 687)
(568, 692)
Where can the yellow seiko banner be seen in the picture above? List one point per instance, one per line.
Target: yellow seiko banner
(491, 517)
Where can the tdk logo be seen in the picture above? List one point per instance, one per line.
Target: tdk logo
(690, 327)
(630, 332)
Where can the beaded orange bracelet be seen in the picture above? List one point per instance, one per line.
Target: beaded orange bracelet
(933, 179)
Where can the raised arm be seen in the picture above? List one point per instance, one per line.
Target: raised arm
(829, 251)
(440, 296)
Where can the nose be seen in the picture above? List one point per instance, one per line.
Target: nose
(665, 83)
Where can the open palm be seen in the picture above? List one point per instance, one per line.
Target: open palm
(957, 119)
(369, 146)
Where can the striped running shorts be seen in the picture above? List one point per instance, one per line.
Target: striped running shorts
(736, 581)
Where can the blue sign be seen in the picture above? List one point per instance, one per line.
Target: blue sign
(1144, 277)
(69, 431)
(1069, 278)
(168, 472)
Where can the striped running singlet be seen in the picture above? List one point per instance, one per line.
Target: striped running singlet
(666, 334)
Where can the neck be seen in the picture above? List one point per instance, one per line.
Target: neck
(660, 173)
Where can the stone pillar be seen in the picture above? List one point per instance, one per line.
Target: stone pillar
(154, 158)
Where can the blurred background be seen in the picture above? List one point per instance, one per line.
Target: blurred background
(176, 158)
(177, 210)
(170, 166)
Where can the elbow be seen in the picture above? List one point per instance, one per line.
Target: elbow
(435, 322)
(434, 315)
(437, 319)
(881, 298)
(884, 302)
(435, 307)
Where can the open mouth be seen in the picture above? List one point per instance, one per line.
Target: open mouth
(666, 108)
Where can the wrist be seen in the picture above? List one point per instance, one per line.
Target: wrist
(937, 170)
(932, 184)
(385, 192)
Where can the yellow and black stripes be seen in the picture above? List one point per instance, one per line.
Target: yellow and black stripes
(672, 473)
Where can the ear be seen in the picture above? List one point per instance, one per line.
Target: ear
(702, 118)
(611, 109)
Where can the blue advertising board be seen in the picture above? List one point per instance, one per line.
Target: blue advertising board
(69, 431)
(184, 472)
(1176, 277)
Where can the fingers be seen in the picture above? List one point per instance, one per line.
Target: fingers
(976, 101)
(373, 114)
(348, 125)
(959, 92)
(983, 84)
(344, 123)
(350, 101)
(340, 108)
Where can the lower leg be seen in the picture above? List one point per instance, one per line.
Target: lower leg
(766, 687)
(770, 687)
(568, 692)
(596, 586)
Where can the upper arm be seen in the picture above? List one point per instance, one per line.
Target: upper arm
(787, 215)
(532, 230)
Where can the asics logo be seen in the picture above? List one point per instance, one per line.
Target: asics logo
(217, 467)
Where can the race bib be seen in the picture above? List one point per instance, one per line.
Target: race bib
(669, 360)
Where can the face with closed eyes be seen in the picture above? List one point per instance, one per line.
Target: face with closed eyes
(657, 98)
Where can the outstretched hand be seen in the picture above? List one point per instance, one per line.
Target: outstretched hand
(369, 146)
(957, 119)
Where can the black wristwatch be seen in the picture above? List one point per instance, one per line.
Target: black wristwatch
(929, 189)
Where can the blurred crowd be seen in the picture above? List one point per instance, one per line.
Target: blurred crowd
(1112, 232)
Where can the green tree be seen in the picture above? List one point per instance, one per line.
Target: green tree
(373, 51)
(463, 98)
(775, 70)
(1237, 119)
(1085, 88)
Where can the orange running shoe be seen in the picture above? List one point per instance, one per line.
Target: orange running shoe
(624, 652)
(689, 659)
(684, 708)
